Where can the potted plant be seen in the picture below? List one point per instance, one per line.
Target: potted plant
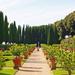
(52, 59)
(25, 54)
(16, 51)
(17, 62)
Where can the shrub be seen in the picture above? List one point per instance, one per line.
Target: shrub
(7, 53)
(1, 60)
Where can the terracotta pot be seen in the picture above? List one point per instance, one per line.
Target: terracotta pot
(29, 52)
(45, 53)
(17, 62)
(25, 55)
(53, 63)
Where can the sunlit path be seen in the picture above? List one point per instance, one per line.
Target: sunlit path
(36, 64)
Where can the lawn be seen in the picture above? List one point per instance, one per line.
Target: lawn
(62, 72)
(9, 57)
(7, 72)
(8, 68)
(9, 63)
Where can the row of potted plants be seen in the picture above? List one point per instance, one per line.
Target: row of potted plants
(19, 52)
(55, 55)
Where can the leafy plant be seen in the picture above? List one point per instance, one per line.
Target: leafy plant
(7, 53)
(1, 60)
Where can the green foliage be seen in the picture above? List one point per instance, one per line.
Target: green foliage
(7, 72)
(1, 60)
(13, 33)
(64, 57)
(5, 47)
(1, 27)
(7, 53)
(6, 36)
(46, 34)
(19, 34)
(16, 50)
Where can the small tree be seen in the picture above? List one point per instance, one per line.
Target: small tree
(67, 61)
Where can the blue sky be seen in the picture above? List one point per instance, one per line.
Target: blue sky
(36, 12)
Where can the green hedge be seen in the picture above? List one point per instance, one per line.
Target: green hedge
(4, 47)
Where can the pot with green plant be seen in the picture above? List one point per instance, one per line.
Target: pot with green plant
(16, 51)
(52, 58)
(25, 54)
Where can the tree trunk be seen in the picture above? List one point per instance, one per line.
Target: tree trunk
(69, 72)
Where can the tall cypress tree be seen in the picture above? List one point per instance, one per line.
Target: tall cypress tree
(11, 33)
(23, 35)
(48, 35)
(50, 39)
(1, 27)
(19, 34)
(14, 32)
(56, 36)
(6, 36)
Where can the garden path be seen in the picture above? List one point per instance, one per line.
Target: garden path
(36, 64)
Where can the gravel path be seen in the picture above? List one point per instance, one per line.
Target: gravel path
(36, 64)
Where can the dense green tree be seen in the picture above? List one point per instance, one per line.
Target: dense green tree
(13, 33)
(1, 26)
(23, 35)
(49, 34)
(56, 35)
(6, 35)
(19, 34)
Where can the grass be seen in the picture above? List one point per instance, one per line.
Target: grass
(9, 63)
(59, 72)
(8, 69)
(62, 72)
(7, 72)
(9, 57)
